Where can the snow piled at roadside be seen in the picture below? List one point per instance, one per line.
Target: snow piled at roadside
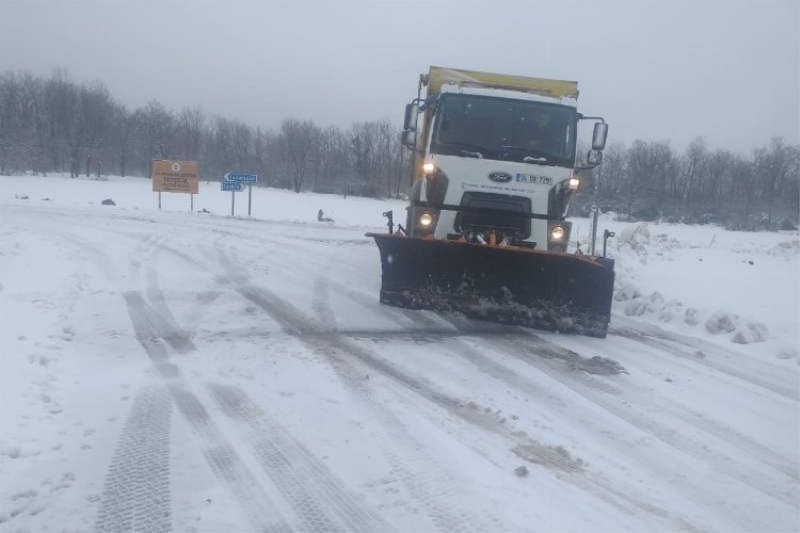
(739, 287)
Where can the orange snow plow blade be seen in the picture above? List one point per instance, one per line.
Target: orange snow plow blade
(505, 284)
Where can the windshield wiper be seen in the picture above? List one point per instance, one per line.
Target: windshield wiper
(470, 150)
(534, 156)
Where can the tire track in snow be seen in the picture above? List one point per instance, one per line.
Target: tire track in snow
(157, 298)
(589, 481)
(775, 381)
(577, 365)
(154, 325)
(136, 496)
(429, 491)
(156, 311)
(150, 325)
(663, 342)
(686, 486)
(285, 469)
(321, 501)
(570, 470)
(548, 358)
(321, 305)
(223, 460)
(540, 354)
(432, 488)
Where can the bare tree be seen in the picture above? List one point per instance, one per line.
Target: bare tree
(298, 138)
(156, 127)
(711, 188)
(190, 134)
(97, 108)
(242, 146)
(121, 135)
(610, 175)
(12, 125)
(261, 153)
(694, 167)
(61, 107)
(774, 164)
(639, 165)
(333, 165)
(375, 152)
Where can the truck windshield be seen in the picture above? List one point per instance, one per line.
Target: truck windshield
(505, 129)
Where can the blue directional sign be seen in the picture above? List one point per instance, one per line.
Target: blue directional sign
(231, 186)
(230, 176)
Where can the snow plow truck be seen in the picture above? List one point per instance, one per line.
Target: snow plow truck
(486, 233)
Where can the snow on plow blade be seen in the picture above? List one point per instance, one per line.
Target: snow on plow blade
(505, 284)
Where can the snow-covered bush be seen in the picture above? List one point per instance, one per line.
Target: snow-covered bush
(787, 250)
(636, 237)
(751, 332)
(690, 316)
(722, 322)
(627, 292)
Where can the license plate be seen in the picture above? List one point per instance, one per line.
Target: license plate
(530, 178)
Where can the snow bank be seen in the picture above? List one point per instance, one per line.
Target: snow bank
(737, 287)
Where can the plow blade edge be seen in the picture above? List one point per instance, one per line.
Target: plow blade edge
(505, 284)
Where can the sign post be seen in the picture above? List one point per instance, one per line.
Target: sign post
(234, 187)
(232, 178)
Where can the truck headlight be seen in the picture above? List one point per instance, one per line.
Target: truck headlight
(574, 183)
(424, 222)
(428, 168)
(557, 233)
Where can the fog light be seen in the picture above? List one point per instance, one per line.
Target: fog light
(574, 183)
(428, 168)
(557, 233)
(425, 219)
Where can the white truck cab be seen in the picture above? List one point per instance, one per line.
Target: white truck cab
(492, 146)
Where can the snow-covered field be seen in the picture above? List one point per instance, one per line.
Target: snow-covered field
(173, 370)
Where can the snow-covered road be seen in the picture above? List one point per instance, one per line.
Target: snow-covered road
(167, 371)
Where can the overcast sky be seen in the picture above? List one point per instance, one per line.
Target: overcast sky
(656, 70)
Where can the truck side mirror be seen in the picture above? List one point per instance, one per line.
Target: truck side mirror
(408, 138)
(599, 136)
(594, 158)
(410, 120)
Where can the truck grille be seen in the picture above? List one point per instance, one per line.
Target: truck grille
(505, 221)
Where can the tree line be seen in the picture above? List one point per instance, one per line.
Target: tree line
(652, 181)
(51, 124)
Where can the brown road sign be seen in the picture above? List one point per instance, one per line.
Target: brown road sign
(175, 176)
